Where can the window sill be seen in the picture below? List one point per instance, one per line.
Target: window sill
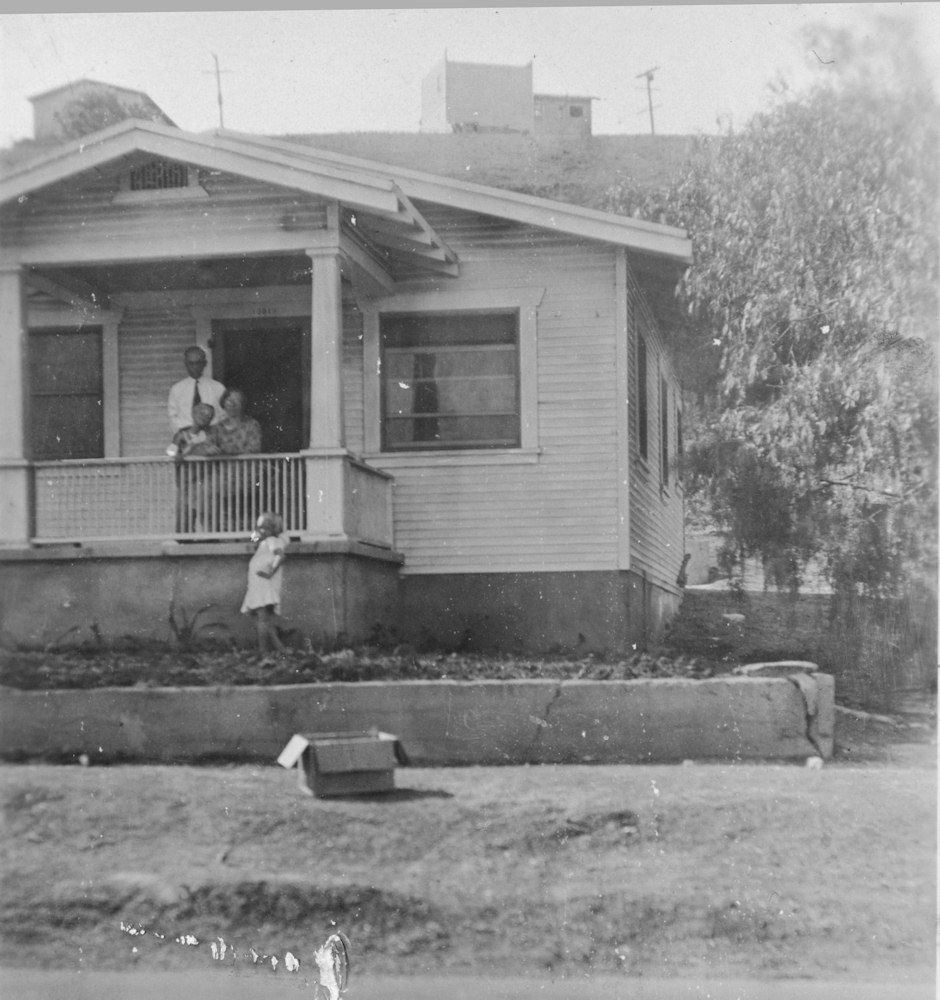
(498, 456)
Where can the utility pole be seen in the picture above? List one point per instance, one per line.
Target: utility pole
(649, 94)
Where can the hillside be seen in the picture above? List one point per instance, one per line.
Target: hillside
(578, 171)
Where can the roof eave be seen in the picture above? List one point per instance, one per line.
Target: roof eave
(360, 183)
(635, 234)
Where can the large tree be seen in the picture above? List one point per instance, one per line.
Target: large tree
(100, 109)
(811, 313)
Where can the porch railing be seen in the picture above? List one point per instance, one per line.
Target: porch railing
(154, 498)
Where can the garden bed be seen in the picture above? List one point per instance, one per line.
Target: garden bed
(162, 666)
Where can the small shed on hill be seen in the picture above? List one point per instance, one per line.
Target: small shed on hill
(562, 115)
(470, 415)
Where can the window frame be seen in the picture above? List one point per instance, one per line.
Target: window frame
(96, 395)
(507, 320)
(524, 302)
(642, 396)
(664, 429)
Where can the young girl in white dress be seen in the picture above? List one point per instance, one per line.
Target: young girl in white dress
(263, 598)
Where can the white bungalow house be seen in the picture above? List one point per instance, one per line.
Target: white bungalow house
(470, 416)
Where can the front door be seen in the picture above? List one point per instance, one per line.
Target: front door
(269, 360)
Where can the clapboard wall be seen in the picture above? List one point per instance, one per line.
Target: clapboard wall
(579, 500)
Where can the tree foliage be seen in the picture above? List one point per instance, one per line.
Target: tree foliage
(94, 111)
(812, 316)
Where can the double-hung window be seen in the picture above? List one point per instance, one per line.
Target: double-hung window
(66, 393)
(450, 380)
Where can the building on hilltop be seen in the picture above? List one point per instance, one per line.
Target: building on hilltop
(562, 115)
(476, 97)
(472, 97)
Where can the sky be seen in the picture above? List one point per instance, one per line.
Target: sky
(360, 69)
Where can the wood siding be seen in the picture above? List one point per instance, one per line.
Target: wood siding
(557, 511)
(353, 419)
(555, 507)
(656, 519)
(151, 342)
(71, 218)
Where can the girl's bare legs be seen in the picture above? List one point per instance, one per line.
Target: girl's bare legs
(268, 639)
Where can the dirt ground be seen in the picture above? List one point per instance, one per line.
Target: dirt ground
(768, 870)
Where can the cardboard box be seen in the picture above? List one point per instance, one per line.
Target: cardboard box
(343, 763)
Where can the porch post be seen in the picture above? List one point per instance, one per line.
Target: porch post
(15, 502)
(326, 455)
(326, 333)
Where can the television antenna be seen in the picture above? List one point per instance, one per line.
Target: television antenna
(218, 84)
(648, 74)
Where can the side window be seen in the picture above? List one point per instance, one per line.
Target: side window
(678, 441)
(66, 394)
(642, 396)
(450, 381)
(664, 430)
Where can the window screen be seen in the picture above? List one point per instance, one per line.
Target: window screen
(66, 416)
(450, 380)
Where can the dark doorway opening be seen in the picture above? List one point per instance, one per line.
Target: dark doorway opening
(269, 360)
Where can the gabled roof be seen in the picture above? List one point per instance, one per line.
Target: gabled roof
(379, 189)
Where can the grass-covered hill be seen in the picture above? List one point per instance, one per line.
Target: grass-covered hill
(578, 171)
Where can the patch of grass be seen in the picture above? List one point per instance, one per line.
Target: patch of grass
(706, 870)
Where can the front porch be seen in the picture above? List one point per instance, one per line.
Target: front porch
(98, 303)
(320, 497)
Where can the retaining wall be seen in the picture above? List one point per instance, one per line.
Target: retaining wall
(438, 722)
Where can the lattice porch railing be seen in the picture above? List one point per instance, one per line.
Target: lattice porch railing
(154, 498)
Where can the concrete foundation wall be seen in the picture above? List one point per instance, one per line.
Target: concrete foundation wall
(535, 612)
(438, 723)
(331, 592)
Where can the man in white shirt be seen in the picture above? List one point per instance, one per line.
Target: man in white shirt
(184, 395)
(197, 388)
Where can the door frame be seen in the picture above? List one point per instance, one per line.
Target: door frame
(260, 325)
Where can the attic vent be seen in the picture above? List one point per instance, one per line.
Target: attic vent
(159, 175)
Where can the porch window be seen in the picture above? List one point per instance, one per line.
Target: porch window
(66, 394)
(450, 381)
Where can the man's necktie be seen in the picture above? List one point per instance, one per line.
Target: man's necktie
(197, 399)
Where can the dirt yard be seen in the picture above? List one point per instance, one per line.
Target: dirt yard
(702, 870)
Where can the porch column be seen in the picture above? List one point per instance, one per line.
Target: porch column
(326, 456)
(15, 504)
(326, 335)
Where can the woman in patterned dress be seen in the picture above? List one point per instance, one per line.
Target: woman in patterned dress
(236, 434)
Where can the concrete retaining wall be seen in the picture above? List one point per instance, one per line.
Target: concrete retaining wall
(438, 722)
